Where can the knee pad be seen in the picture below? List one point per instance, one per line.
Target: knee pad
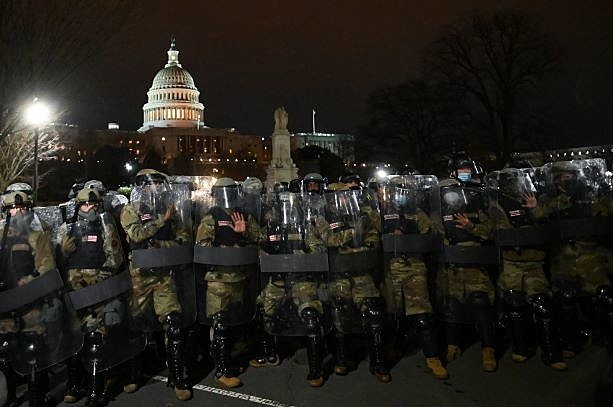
(93, 344)
(515, 299)
(479, 300)
(174, 325)
(604, 296)
(310, 316)
(454, 311)
(424, 322)
(542, 305)
(375, 307)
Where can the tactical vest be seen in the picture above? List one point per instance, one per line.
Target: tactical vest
(90, 249)
(20, 260)
(146, 215)
(224, 235)
(284, 239)
(516, 214)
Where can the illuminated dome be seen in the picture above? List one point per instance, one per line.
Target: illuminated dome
(173, 99)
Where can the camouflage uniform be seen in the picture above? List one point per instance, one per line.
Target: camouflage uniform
(225, 284)
(152, 287)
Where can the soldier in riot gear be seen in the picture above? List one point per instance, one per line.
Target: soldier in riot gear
(226, 226)
(352, 180)
(522, 285)
(32, 312)
(468, 295)
(353, 241)
(294, 260)
(411, 230)
(153, 227)
(93, 254)
(577, 203)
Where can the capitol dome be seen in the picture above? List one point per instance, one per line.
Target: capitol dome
(173, 99)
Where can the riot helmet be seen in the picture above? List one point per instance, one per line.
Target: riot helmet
(225, 193)
(88, 201)
(252, 185)
(462, 167)
(21, 187)
(96, 184)
(351, 179)
(564, 176)
(313, 183)
(16, 200)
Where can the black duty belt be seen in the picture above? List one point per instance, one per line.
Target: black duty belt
(357, 262)
(294, 263)
(412, 243)
(528, 236)
(161, 257)
(106, 289)
(226, 256)
(479, 255)
(17, 297)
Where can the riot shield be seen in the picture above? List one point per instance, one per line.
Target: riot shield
(353, 253)
(410, 212)
(51, 218)
(294, 262)
(226, 260)
(577, 198)
(32, 304)
(513, 198)
(99, 289)
(169, 252)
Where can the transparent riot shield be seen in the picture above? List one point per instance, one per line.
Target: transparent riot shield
(169, 251)
(100, 287)
(513, 199)
(294, 264)
(410, 212)
(577, 202)
(353, 253)
(463, 249)
(51, 218)
(577, 198)
(226, 256)
(32, 303)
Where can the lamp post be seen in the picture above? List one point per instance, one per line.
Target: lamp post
(36, 115)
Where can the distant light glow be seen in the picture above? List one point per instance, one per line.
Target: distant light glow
(381, 174)
(38, 113)
(129, 167)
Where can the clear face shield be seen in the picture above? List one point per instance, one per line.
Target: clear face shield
(226, 197)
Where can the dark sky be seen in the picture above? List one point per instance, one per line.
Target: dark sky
(248, 57)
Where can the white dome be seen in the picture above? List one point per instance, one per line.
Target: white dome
(173, 99)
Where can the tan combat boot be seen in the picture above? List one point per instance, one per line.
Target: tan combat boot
(489, 359)
(130, 388)
(229, 381)
(517, 358)
(559, 366)
(568, 354)
(437, 368)
(453, 352)
(317, 382)
(183, 395)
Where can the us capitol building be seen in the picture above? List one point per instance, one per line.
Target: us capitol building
(175, 132)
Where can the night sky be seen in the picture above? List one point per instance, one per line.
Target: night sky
(248, 57)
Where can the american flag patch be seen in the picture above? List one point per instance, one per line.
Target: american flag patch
(274, 238)
(90, 238)
(224, 223)
(336, 225)
(517, 212)
(447, 217)
(391, 216)
(146, 216)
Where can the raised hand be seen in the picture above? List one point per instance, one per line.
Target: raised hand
(529, 200)
(462, 221)
(238, 222)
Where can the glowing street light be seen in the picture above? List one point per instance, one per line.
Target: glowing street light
(381, 174)
(37, 115)
(129, 167)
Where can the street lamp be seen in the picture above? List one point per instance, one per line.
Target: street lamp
(37, 114)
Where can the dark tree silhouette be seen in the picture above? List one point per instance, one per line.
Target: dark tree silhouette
(317, 159)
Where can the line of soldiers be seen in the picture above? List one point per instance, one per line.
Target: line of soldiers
(90, 282)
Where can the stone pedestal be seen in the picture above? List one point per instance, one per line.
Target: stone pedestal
(281, 168)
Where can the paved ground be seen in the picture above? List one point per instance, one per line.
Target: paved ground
(529, 384)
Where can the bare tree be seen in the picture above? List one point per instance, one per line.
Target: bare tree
(499, 63)
(410, 122)
(17, 154)
(42, 43)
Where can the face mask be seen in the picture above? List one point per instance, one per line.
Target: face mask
(464, 176)
(89, 215)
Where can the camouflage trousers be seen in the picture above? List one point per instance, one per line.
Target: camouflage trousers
(225, 287)
(526, 276)
(102, 316)
(583, 263)
(304, 294)
(354, 288)
(29, 319)
(405, 288)
(461, 281)
(153, 288)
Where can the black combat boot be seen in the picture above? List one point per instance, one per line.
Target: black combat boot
(74, 385)
(602, 325)
(220, 351)
(37, 380)
(373, 326)
(134, 374)
(310, 316)
(344, 362)
(96, 379)
(570, 338)
(551, 351)
(267, 352)
(7, 343)
(175, 358)
(517, 315)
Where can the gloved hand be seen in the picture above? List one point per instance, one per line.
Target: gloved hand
(68, 245)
